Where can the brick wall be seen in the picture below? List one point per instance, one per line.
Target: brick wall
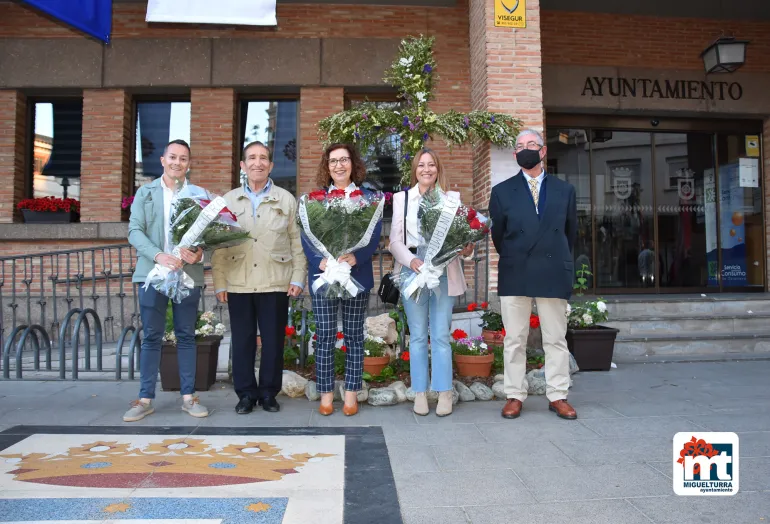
(315, 104)
(105, 157)
(645, 41)
(212, 138)
(13, 108)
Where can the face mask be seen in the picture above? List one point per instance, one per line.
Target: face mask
(528, 158)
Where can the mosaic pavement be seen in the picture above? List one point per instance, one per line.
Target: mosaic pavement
(174, 475)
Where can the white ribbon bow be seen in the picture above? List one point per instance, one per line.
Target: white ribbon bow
(428, 276)
(336, 272)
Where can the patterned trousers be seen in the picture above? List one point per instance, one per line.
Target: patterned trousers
(353, 316)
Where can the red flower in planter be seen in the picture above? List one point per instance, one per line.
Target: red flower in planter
(405, 356)
(484, 305)
(340, 335)
(458, 334)
(50, 204)
(473, 306)
(344, 349)
(291, 331)
(503, 331)
(534, 321)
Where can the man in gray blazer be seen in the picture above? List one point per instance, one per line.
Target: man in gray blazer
(149, 233)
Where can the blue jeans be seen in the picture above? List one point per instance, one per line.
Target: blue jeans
(432, 311)
(152, 308)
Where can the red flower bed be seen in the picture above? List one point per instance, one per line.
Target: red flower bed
(50, 204)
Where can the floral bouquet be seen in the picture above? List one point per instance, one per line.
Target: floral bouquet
(197, 222)
(335, 224)
(446, 227)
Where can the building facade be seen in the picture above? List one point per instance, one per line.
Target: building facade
(669, 163)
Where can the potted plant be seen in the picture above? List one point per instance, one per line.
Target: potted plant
(472, 355)
(49, 210)
(492, 330)
(375, 358)
(591, 344)
(208, 335)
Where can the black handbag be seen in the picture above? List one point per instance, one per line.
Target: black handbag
(389, 292)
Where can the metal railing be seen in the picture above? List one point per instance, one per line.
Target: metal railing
(68, 313)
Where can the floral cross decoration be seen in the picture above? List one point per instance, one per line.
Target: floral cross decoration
(413, 74)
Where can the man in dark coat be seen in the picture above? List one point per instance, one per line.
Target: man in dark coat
(534, 227)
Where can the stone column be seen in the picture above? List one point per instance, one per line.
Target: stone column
(13, 130)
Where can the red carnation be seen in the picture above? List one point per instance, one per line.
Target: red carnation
(340, 335)
(291, 331)
(458, 334)
(317, 195)
(405, 356)
(357, 193)
(337, 193)
(534, 321)
(471, 214)
(473, 306)
(475, 224)
(344, 349)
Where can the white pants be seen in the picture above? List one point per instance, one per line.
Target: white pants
(553, 324)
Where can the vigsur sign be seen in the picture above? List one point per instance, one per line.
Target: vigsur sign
(510, 13)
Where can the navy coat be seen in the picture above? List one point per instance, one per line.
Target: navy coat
(535, 251)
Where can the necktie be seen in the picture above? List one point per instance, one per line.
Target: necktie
(533, 189)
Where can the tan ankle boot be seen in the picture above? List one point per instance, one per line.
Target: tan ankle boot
(444, 407)
(421, 404)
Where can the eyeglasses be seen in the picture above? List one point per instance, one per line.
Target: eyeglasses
(530, 145)
(345, 160)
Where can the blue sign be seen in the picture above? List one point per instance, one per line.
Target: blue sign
(93, 17)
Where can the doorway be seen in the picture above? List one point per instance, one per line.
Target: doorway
(677, 209)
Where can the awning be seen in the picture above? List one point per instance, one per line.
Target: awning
(93, 17)
(229, 12)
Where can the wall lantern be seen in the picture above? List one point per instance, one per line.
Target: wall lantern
(725, 55)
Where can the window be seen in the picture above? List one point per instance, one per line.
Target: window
(157, 124)
(382, 159)
(274, 123)
(57, 139)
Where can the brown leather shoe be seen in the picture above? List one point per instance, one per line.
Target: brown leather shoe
(512, 408)
(350, 410)
(325, 410)
(563, 409)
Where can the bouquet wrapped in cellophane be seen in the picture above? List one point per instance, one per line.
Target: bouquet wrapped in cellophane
(335, 224)
(446, 227)
(198, 221)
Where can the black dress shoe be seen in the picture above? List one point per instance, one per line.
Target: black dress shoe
(245, 405)
(269, 404)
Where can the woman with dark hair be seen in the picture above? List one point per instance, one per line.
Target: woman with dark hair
(341, 167)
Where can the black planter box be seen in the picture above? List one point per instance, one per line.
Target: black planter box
(593, 347)
(205, 367)
(49, 217)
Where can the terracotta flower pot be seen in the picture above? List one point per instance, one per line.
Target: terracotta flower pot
(474, 365)
(494, 338)
(375, 365)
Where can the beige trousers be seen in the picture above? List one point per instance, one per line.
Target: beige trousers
(553, 325)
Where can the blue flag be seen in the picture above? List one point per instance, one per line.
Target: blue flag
(93, 17)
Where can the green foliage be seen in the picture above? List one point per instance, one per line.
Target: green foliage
(374, 347)
(581, 282)
(413, 73)
(585, 313)
(290, 355)
(491, 321)
(498, 366)
(339, 362)
(216, 235)
(469, 346)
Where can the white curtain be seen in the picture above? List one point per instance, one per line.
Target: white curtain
(238, 12)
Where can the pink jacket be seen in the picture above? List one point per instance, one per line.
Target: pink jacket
(404, 257)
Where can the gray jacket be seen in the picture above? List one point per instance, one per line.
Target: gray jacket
(146, 231)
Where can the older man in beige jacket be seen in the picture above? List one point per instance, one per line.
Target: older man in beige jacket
(256, 278)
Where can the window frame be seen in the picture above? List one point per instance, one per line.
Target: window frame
(243, 100)
(29, 142)
(139, 99)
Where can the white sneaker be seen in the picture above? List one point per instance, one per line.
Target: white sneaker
(421, 404)
(195, 408)
(138, 411)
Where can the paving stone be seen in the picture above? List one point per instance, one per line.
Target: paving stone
(581, 512)
(500, 486)
(739, 508)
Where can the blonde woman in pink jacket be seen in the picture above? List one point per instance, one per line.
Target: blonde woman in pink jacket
(432, 310)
